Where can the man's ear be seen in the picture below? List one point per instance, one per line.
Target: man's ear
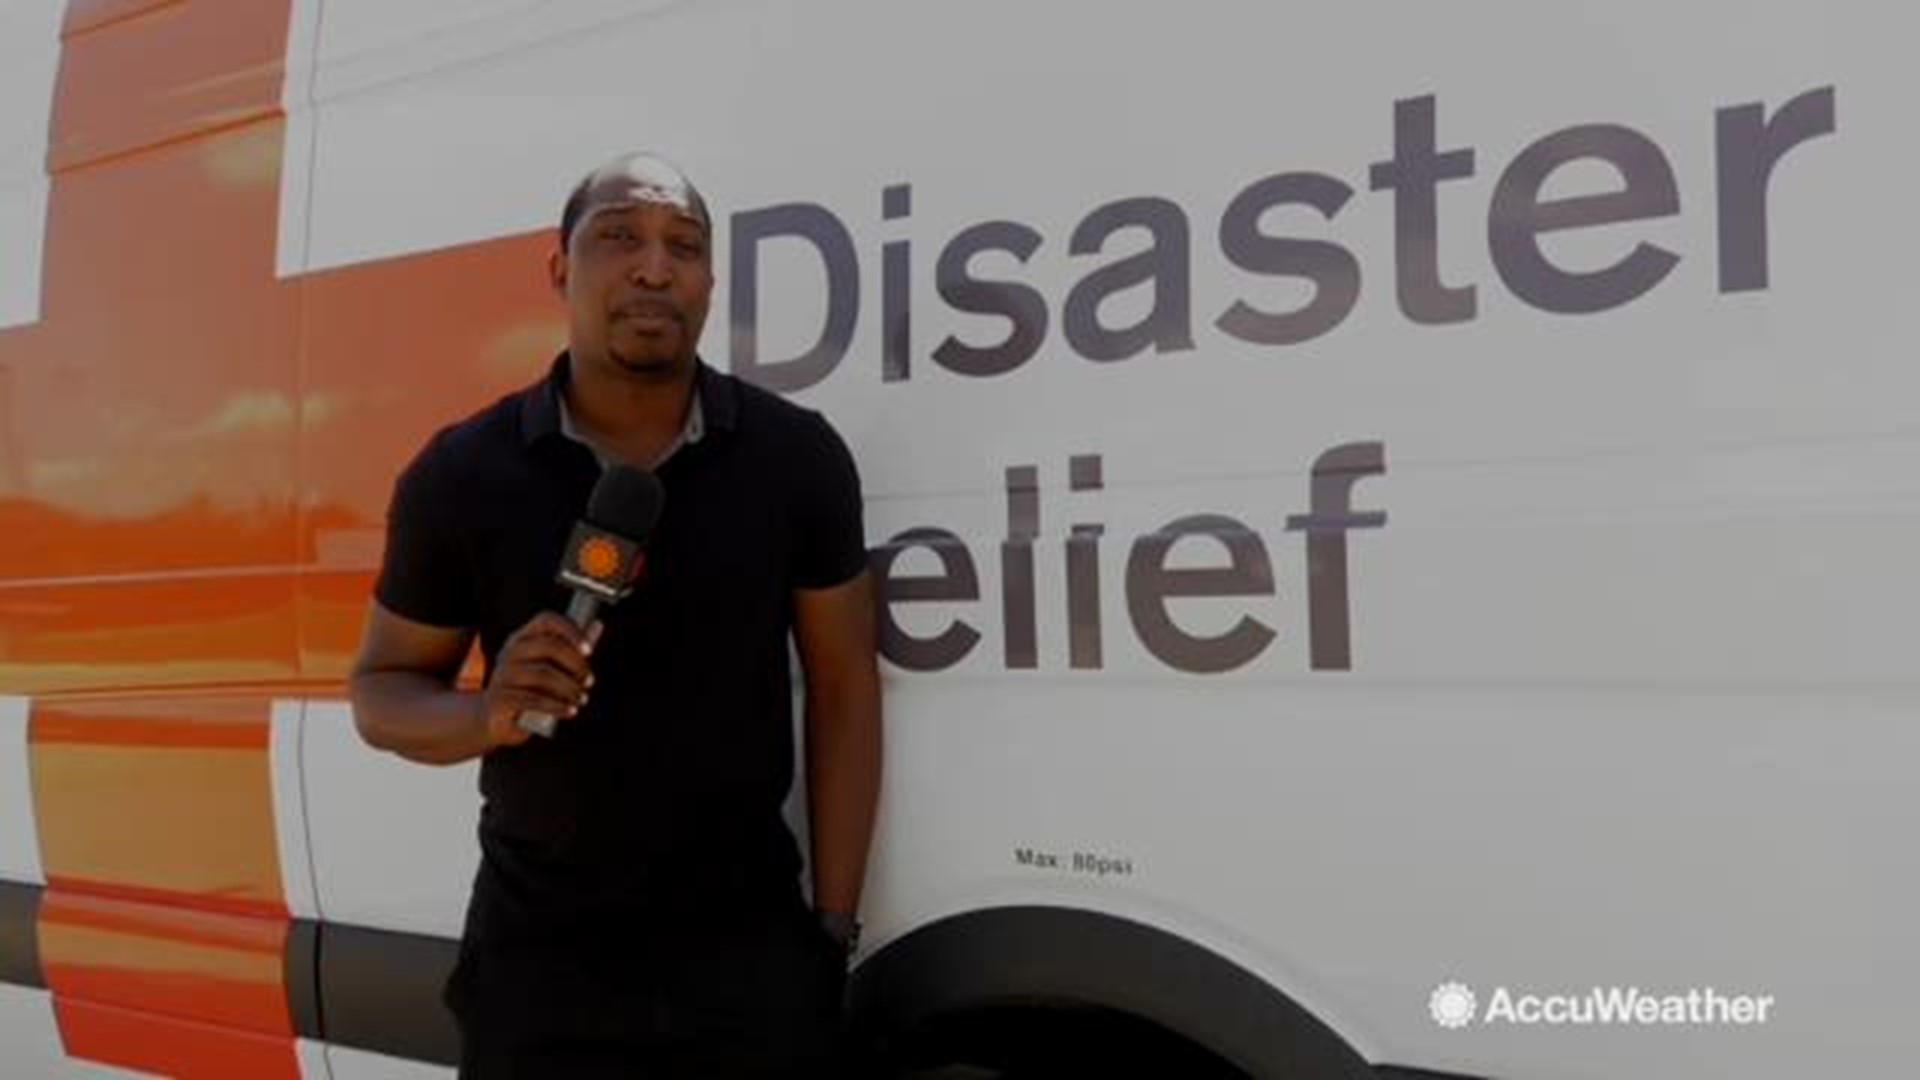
(557, 272)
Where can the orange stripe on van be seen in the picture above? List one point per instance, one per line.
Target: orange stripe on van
(160, 733)
(228, 440)
(193, 500)
(172, 72)
(85, 16)
(78, 636)
(192, 468)
(167, 1047)
(149, 518)
(215, 968)
(149, 916)
(168, 795)
(219, 905)
(401, 346)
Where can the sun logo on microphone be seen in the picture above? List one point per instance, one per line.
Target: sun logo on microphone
(598, 559)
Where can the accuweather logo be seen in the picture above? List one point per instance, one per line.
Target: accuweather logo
(1454, 1006)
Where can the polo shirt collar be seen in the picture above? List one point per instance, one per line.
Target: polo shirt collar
(540, 403)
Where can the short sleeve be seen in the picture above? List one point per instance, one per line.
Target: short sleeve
(425, 574)
(830, 546)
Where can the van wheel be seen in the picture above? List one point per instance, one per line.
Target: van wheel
(1039, 1041)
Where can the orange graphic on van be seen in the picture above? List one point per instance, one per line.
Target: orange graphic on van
(212, 445)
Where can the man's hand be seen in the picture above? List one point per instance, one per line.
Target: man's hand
(404, 699)
(542, 668)
(843, 928)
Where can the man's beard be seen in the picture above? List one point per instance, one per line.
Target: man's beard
(648, 367)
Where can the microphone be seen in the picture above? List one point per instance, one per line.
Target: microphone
(604, 555)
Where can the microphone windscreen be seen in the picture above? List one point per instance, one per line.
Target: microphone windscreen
(626, 502)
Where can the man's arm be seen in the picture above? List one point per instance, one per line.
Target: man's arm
(404, 698)
(403, 694)
(834, 630)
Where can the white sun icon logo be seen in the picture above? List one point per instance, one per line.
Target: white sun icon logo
(1452, 1005)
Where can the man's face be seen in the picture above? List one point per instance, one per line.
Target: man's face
(638, 272)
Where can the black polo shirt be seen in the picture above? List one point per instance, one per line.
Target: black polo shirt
(666, 791)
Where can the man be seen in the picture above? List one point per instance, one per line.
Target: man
(637, 910)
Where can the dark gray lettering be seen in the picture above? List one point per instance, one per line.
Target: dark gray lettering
(1333, 270)
(1749, 145)
(1414, 175)
(1021, 305)
(1083, 573)
(956, 581)
(896, 290)
(818, 226)
(1150, 584)
(1016, 568)
(1519, 216)
(1169, 326)
(1329, 618)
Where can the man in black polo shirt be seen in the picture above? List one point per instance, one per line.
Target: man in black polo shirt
(637, 909)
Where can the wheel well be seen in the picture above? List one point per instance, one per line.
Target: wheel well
(1034, 983)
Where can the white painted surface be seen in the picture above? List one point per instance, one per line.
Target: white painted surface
(296, 166)
(1360, 843)
(23, 226)
(350, 1064)
(290, 810)
(30, 1045)
(374, 43)
(393, 843)
(376, 56)
(312, 1058)
(19, 836)
(29, 63)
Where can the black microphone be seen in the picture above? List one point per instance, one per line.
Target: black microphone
(605, 554)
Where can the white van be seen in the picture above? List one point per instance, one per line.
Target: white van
(1397, 521)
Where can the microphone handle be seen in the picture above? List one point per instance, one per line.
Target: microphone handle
(580, 612)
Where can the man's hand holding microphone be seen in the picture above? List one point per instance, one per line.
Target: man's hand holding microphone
(543, 674)
(544, 669)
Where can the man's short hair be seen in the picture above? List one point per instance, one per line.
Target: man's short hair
(577, 205)
(575, 209)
